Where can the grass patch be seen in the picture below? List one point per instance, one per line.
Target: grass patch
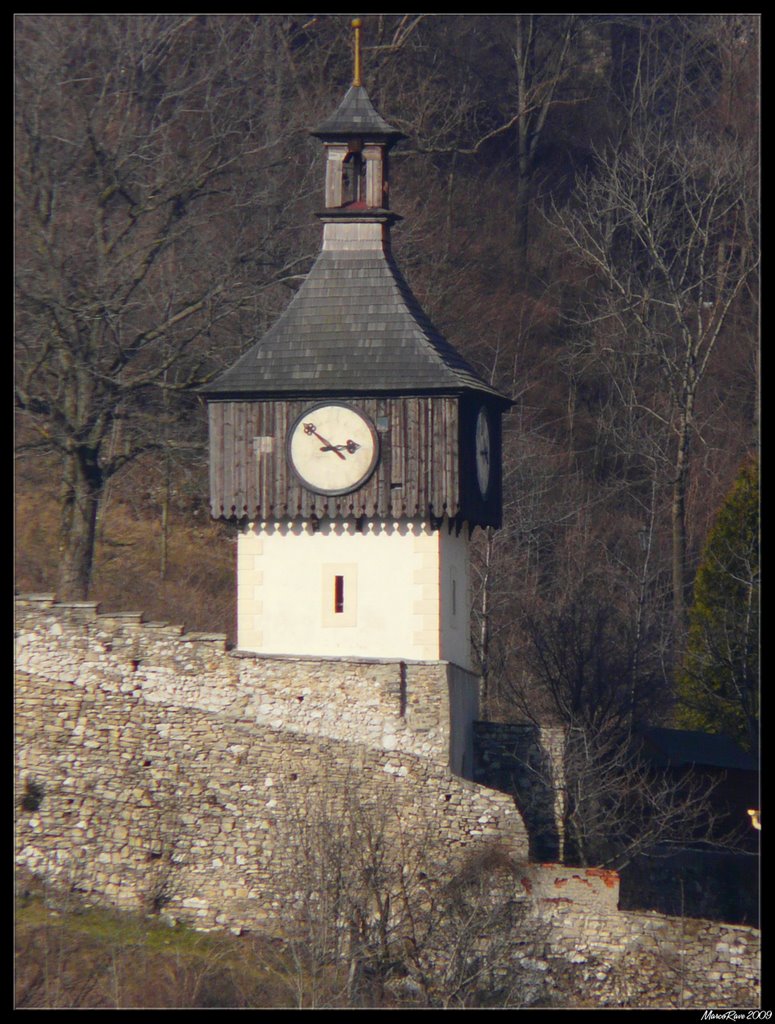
(72, 955)
(193, 585)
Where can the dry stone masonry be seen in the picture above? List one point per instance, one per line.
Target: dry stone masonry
(642, 959)
(157, 770)
(411, 707)
(151, 745)
(528, 760)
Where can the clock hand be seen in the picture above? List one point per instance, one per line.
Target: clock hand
(309, 428)
(350, 446)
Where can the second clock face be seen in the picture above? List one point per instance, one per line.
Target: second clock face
(333, 448)
(483, 452)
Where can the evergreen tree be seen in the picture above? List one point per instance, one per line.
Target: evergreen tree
(719, 686)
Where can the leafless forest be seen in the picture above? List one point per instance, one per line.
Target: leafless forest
(579, 197)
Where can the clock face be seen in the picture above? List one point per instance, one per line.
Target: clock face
(483, 452)
(333, 448)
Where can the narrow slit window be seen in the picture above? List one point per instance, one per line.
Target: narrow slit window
(339, 610)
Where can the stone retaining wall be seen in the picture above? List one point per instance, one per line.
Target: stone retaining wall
(157, 770)
(424, 708)
(642, 959)
(152, 804)
(172, 771)
(527, 762)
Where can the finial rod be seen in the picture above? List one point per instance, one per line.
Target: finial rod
(357, 59)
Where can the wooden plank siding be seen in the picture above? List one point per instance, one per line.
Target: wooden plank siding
(417, 473)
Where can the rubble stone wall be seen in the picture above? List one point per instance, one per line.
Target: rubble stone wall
(155, 767)
(424, 708)
(526, 761)
(157, 770)
(642, 958)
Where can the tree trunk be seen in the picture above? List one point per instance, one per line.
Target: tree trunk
(81, 490)
(524, 57)
(484, 634)
(450, 207)
(165, 516)
(522, 214)
(678, 515)
(646, 538)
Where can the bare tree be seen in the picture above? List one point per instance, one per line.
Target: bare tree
(511, 75)
(384, 914)
(471, 935)
(581, 660)
(665, 225)
(141, 145)
(542, 50)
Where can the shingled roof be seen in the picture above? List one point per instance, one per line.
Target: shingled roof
(356, 115)
(354, 326)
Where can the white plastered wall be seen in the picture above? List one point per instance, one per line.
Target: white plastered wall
(404, 591)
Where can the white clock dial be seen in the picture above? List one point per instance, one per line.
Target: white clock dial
(333, 448)
(483, 452)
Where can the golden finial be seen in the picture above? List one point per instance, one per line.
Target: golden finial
(357, 62)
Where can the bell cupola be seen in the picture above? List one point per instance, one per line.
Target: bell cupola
(357, 141)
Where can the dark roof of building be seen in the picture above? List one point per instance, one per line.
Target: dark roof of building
(356, 115)
(678, 748)
(354, 326)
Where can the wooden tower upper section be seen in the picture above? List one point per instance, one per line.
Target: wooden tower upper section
(355, 338)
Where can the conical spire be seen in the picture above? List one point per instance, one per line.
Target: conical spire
(356, 115)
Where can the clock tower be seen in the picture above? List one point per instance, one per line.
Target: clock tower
(355, 448)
